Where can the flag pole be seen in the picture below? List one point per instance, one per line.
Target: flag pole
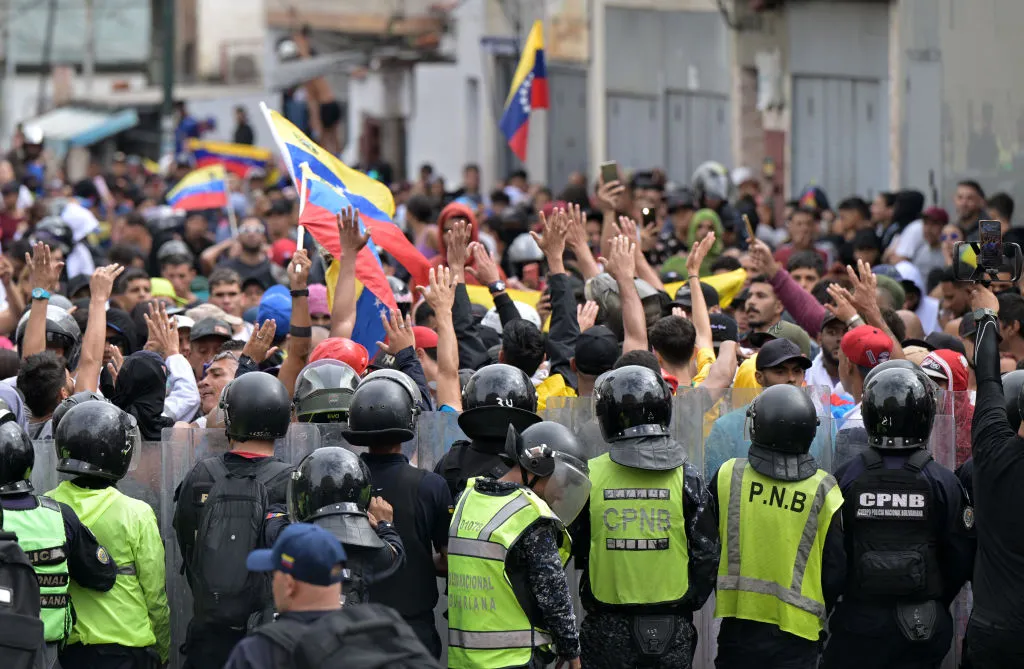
(231, 221)
(300, 236)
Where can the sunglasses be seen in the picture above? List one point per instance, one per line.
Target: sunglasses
(952, 237)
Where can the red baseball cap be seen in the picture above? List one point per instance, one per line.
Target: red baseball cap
(866, 346)
(282, 250)
(425, 337)
(936, 214)
(947, 365)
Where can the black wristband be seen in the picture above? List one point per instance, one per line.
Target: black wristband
(301, 293)
(299, 331)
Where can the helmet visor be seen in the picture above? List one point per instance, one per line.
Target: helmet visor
(567, 490)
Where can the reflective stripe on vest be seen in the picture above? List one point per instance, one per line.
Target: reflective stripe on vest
(41, 535)
(487, 625)
(757, 506)
(638, 545)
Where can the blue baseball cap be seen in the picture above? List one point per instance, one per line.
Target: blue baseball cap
(305, 552)
(276, 305)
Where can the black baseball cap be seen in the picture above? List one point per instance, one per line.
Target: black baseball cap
(684, 298)
(937, 339)
(723, 328)
(211, 327)
(778, 351)
(597, 349)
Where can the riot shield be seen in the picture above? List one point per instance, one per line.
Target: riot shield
(44, 472)
(436, 431)
(726, 434)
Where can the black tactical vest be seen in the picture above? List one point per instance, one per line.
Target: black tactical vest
(895, 556)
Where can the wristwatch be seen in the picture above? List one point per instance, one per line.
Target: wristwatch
(496, 287)
(977, 313)
(40, 294)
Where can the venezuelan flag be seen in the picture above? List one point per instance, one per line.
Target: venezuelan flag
(529, 91)
(319, 216)
(236, 158)
(205, 188)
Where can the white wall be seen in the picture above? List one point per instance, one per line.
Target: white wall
(441, 129)
(223, 110)
(240, 26)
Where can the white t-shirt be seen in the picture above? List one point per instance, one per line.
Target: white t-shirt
(910, 240)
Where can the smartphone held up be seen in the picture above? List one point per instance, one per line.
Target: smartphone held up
(987, 259)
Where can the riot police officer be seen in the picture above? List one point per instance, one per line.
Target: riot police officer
(73, 401)
(508, 595)
(323, 392)
(382, 417)
(63, 336)
(58, 545)
(783, 564)
(129, 624)
(241, 494)
(908, 534)
(495, 397)
(331, 488)
(643, 580)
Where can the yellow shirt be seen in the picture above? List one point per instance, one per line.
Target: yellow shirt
(705, 358)
(745, 374)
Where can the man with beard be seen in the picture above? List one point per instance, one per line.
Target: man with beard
(763, 307)
(970, 207)
(220, 372)
(252, 262)
(824, 369)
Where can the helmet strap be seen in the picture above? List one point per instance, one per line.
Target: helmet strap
(528, 481)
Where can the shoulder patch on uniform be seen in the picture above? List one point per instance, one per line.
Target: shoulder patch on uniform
(969, 517)
(102, 556)
(273, 515)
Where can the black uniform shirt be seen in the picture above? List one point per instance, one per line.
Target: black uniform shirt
(88, 563)
(998, 473)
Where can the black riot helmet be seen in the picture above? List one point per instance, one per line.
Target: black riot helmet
(55, 233)
(382, 413)
(331, 487)
(62, 332)
(96, 439)
(783, 419)
(900, 363)
(256, 408)
(73, 401)
(323, 392)
(17, 457)
(632, 401)
(548, 450)
(1013, 396)
(495, 397)
(898, 407)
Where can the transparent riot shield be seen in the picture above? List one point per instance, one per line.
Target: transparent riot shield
(44, 472)
(436, 431)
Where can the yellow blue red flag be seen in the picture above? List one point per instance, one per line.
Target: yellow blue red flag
(237, 159)
(205, 188)
(529, 91)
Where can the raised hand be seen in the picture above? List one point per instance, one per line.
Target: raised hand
(609, 195)
(44, 269)
(552, 242)
(457, 240)
(352, 240)
(261, 342)
(441, 293)
(761, 259)
(484, 268)
(842, 307)
(697, 255)
(399, 332)
(101, 285)
(586, 315)
(621, 261)
(865, 295)
(163, 331)
(298, 270)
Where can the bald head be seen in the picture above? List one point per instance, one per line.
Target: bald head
(912, 324)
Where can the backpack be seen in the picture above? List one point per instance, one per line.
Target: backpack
(21, 630)
(368, 636)
(230, 527)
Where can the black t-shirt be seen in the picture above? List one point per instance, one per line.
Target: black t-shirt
(260, 272)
